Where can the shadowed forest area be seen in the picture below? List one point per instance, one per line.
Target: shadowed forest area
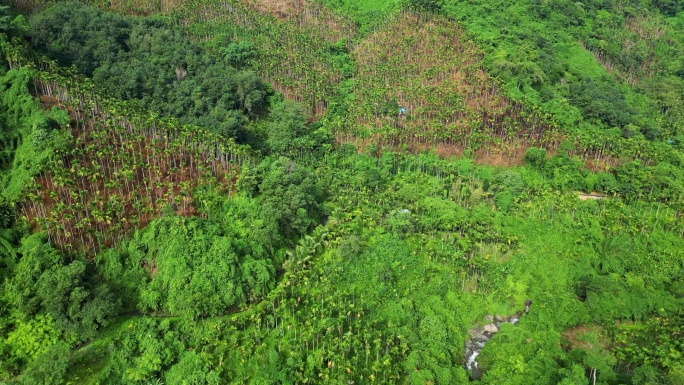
(342, 192)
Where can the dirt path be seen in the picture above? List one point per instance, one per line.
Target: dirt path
(592, 196)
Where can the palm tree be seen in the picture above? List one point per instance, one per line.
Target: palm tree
(307, 248)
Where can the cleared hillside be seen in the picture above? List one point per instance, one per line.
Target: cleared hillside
(420, 83)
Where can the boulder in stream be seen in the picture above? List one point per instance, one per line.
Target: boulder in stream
(491, 328)
(481, 334)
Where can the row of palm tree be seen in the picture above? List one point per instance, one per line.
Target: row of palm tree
(125, 165)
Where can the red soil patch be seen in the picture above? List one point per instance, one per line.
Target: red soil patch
(575, 338)
(493, 156)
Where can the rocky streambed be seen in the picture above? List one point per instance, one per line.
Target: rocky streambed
(481, 334)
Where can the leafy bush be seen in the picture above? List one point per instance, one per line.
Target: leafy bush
(44, 282)
(291, 198)
(535, 157)
(192, 268)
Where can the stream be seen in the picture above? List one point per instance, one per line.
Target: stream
(481, 334)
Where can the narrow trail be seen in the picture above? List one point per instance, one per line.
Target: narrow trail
(592, 196)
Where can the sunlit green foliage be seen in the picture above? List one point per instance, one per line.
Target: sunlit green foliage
(330, 263)
(32, 137)
(190, 268)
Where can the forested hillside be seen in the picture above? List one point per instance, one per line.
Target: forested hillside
(342, 191)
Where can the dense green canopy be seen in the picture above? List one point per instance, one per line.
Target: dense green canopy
(346, 244)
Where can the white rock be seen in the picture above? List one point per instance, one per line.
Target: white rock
(491, 328)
